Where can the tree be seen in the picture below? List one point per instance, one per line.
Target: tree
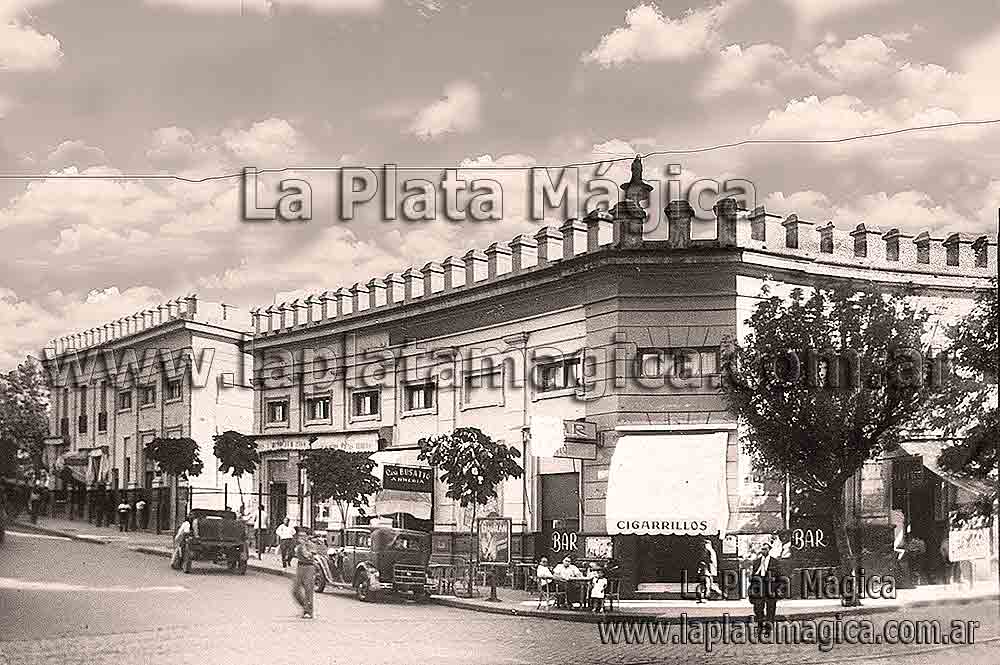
(24, 417)
(825, 382)
(237, 454)
(341, 476)
(473, 465)
(178, 458)
(972, 391)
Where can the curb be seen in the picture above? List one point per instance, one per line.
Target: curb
(585, 617)
(56, 532)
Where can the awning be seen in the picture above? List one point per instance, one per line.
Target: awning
(668, 484)
(929, 449)
(78, 464)
(404, 470)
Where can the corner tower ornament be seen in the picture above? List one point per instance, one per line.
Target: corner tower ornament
(636, 191)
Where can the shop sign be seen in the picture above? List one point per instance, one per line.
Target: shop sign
(577, 450)
(968, 544)
(578, 430)
(564, 541)
(598, 547)
(407, 478)
(494, 534)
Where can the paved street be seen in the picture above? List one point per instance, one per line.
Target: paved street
(65, 601)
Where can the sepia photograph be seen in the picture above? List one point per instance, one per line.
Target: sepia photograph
(499, 332)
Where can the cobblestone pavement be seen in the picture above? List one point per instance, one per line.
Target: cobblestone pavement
(64, 601)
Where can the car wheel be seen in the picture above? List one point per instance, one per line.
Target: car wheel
(363, 589)
(319, 582)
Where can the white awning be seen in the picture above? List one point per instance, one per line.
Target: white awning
(668, 484)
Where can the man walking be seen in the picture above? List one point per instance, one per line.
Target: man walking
(767, 584)
(305, 572)
(123, 513)
(286, 542)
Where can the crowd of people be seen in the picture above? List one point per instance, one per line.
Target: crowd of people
(590, 588)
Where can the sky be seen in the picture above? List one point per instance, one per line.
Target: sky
(116, 89)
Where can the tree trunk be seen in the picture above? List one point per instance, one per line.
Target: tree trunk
(845, 547)
(173, 501)
(239, 489)
(472, 543)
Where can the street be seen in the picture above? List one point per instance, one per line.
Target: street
(65, 601)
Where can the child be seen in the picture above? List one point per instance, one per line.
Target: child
(597, 592)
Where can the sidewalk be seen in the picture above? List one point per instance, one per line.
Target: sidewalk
(514, 602)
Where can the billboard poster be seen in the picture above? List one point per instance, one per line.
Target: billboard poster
(494, 540)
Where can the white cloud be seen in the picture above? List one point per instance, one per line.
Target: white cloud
(832, 117)
(863, 58)
(649, 36)
(754, 68)
(457, 112)
(24, 49)
(76, 153)
(807, 204)
(272, 142)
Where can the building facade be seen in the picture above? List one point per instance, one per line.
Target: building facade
(612, 337)
(173, 371)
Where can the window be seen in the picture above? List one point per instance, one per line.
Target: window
(419, 396)
(174, 433)
(173, 390)
(365, 403)
(82, 415)
(147, 395)
(128, 468)
(102, 421)
(102, 414)
(483, 388)
(277, 411)
(678, 363)
(125, 400)
(318, 408)
(83, 399)
(561, 374)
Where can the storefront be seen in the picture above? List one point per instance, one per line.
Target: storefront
(667, 495)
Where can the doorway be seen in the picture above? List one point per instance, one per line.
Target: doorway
(277, 502)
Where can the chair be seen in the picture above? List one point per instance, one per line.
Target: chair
(612, 595)
(549, 593)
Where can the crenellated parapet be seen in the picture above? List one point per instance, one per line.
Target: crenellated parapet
(189, 308)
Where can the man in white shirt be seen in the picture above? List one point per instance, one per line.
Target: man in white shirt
(286, 542)
(767, 584)
(565, 571)
(183, 531)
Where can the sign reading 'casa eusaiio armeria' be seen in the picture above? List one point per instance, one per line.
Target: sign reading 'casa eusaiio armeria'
(407, 478)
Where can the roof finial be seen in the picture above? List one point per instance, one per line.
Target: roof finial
(635, 189)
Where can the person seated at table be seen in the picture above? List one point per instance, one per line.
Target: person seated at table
(543, 573)
(565, 572)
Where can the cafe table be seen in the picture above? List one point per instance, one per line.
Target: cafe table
(582, 585)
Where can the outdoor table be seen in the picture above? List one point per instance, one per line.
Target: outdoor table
(583, 586)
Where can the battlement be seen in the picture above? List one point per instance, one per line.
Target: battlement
(188, 308)
(957, 254)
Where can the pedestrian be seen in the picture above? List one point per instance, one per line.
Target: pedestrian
(767, 584)
(123, 512)
(708, 571)
(183, 531)
(33, 500)
(305, 572)
(597, 590)
(140, 514)
(286, 542)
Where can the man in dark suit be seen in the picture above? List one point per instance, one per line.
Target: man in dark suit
(767, 584)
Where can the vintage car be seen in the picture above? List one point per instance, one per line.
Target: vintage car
(376, 560)
(217, 536)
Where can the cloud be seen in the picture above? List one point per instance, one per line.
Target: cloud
(832, 117)
(807, 204)
(863, 58)
(649, 36)
(457, 112)
(272, 142)
(757, 68)
(76, 153)
(24, 49)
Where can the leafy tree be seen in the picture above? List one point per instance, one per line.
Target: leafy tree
(23, 417)
(237, 454)
(178, 458)
(473, 465)
(974, 352)
(341, 476)
(825, 382)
